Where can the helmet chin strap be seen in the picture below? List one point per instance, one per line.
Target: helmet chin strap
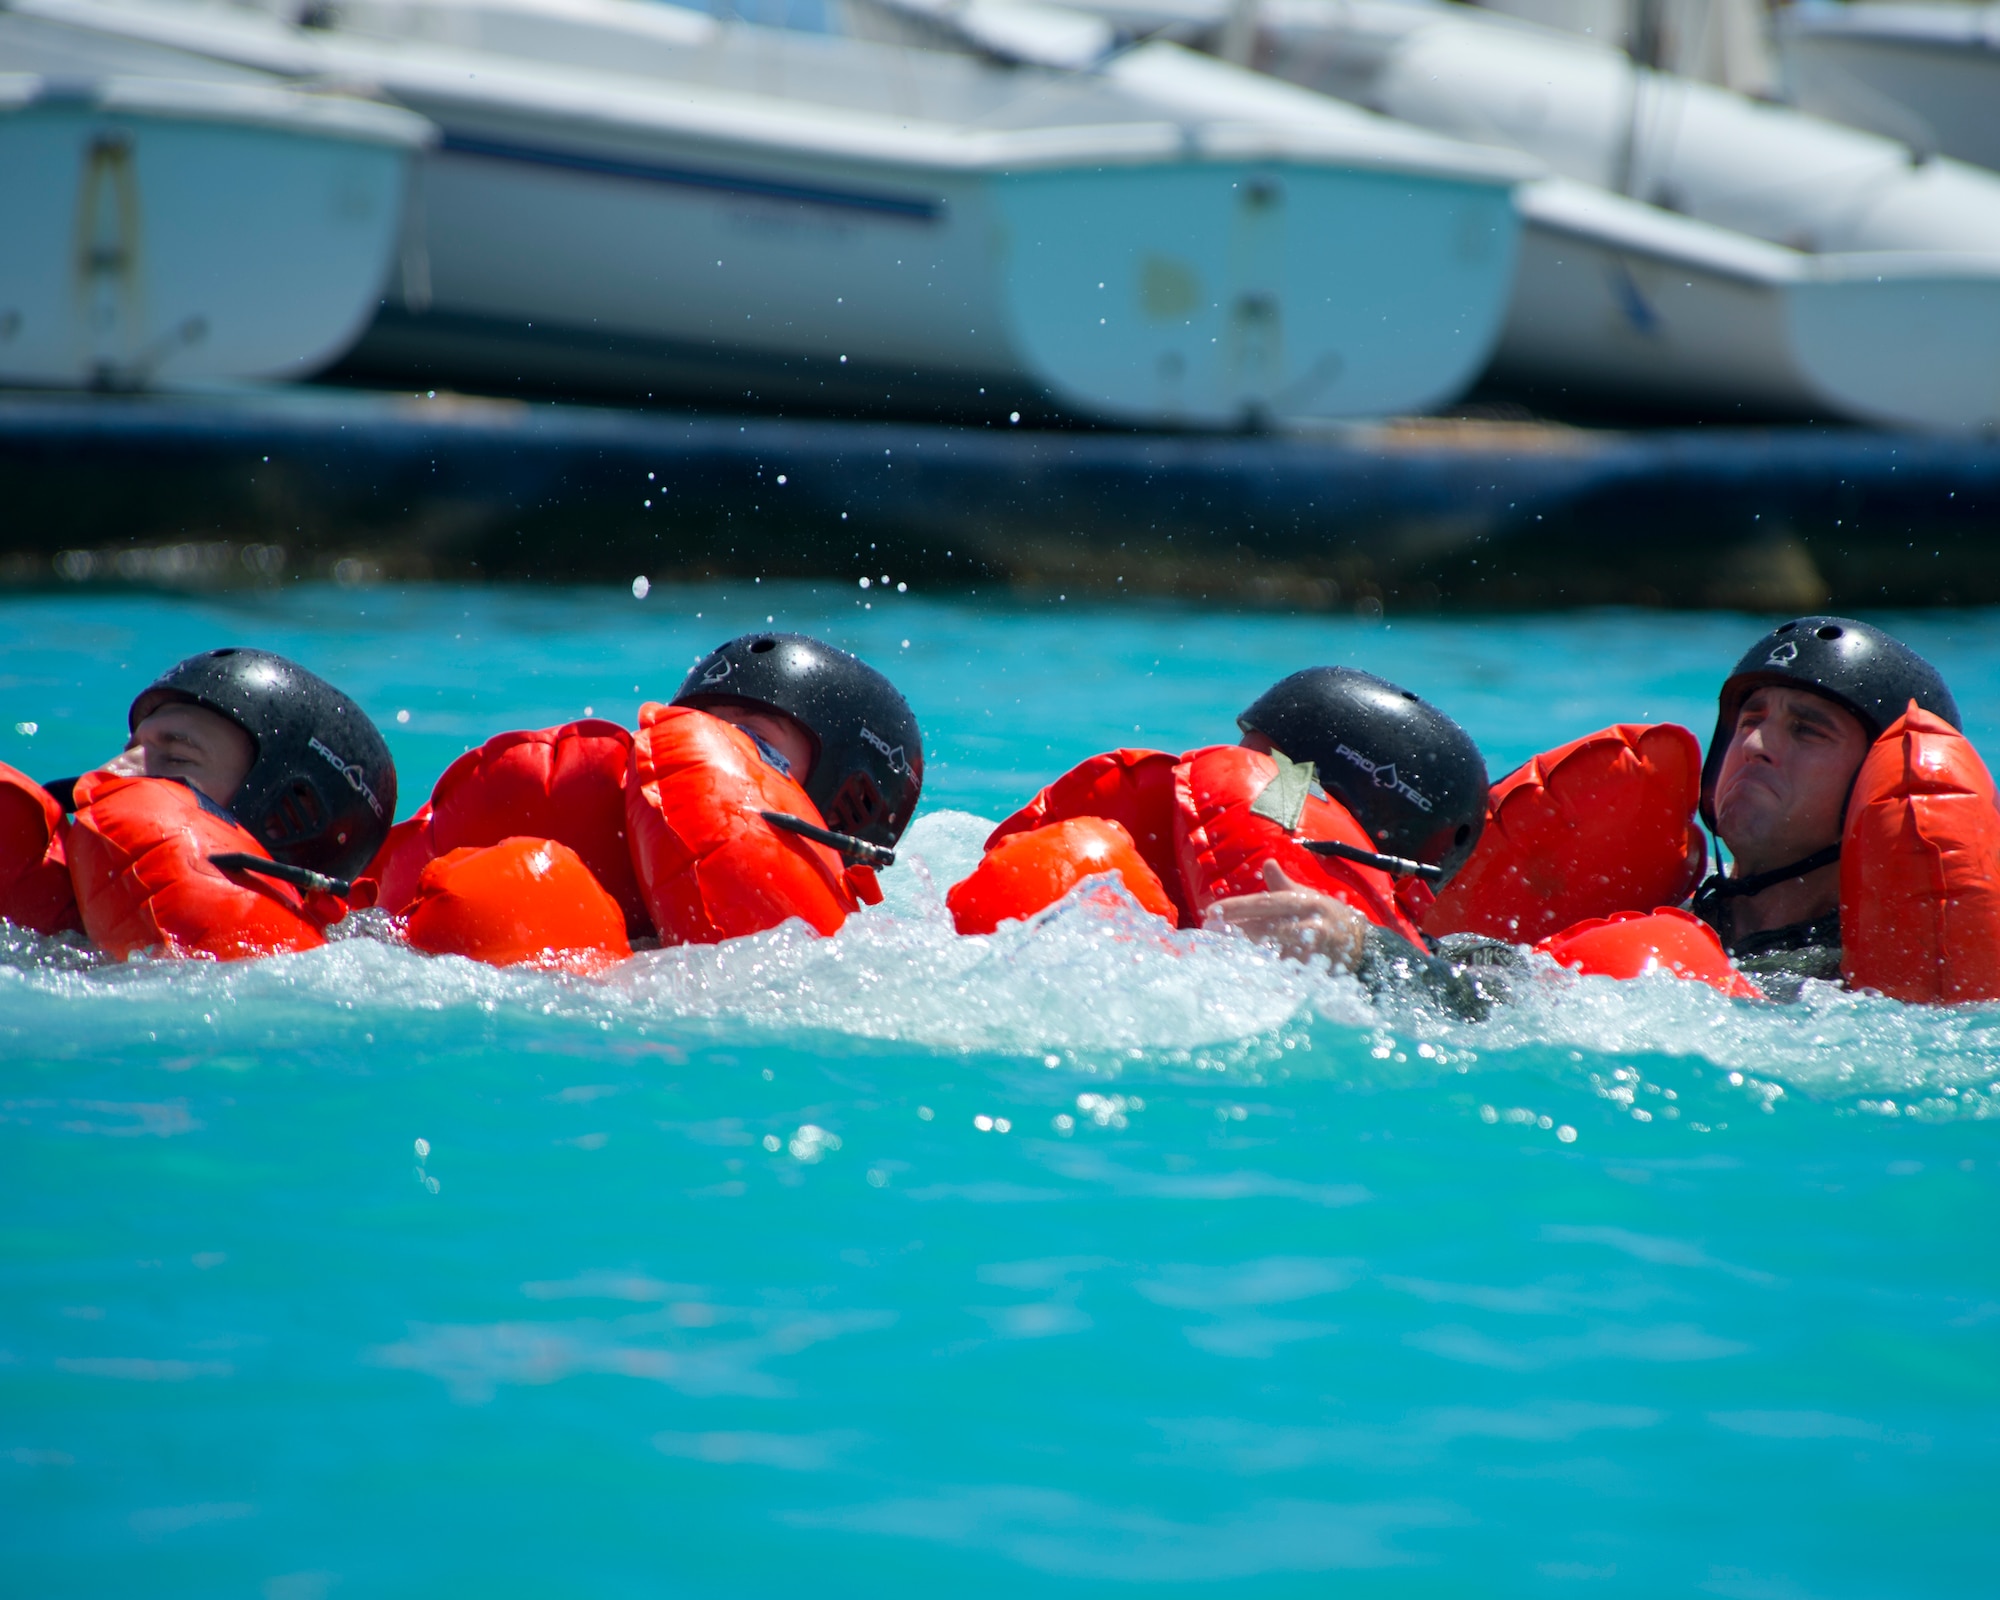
(1741, 888)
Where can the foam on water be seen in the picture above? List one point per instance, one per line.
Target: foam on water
(1087, 1253)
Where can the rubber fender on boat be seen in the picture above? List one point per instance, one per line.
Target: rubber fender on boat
(1133, 788)
(1629, 944)
(566, 784)
(1222, 843)
(1604, 823)
(710, 867)
(35, 889)
(1920, 868)
(529, 901)
(139, 852)
(1027, 872)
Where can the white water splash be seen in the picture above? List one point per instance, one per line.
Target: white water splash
(1094, 979)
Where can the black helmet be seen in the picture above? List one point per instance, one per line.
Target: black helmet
(1852, 664)
(1410, 775)
(868, 758)
(321, 790)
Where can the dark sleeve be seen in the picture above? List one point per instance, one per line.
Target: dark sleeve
(1467, 983)
(1783, 974)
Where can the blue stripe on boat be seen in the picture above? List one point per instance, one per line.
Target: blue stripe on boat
(889, 205)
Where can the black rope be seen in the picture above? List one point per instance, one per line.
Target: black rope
(855, 852)
(1723, 888)
(301, 878)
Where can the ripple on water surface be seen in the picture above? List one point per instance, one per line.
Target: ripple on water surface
(1080, 1255)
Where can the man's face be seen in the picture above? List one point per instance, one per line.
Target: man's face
(781, 733)
(1785, 777)
(201, 746)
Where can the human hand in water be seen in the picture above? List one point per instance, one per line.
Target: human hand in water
(1292, 919)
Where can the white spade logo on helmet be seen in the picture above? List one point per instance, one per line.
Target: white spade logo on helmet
(1385, 776)
(717, 672)
(1784, 655)
(898, 762)
(355, 774)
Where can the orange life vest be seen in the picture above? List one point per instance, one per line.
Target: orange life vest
(1920, 868)
(1133, 788)
(1599, 825)
(1222, 839)
(1024, 872)
(139, 855)
(565, 784)
(709, 866)
(392, 876)
(35, 888)
(1629, 944)
(527, 901)
(1190, 819)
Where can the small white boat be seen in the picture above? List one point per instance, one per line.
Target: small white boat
(1928, 75)
(1616, 301)
(161, 232)
(1716, 41)
(1589, 113)
(636, 198)
(1622, 302)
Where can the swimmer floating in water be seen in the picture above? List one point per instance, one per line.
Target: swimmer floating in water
(782, 774)
(1325, 832)
(1783, 788)
(251, 790)
(1860, 822)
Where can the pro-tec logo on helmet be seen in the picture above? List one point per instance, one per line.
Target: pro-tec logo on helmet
(356, 776)
(718, 672)
(1385, 776)
(1784, 655)
(898, 762)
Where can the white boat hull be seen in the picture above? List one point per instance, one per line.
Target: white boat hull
(664, 231)
(1590, 114)
(1925, 74)
(1198, 293)
(1618, 301)
(160, 233)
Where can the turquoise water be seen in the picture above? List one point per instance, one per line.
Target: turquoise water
(711, 1282)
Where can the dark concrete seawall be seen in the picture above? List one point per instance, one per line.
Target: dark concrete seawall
(258, 487)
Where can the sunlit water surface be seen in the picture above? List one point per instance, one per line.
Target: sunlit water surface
(1076, 1258)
